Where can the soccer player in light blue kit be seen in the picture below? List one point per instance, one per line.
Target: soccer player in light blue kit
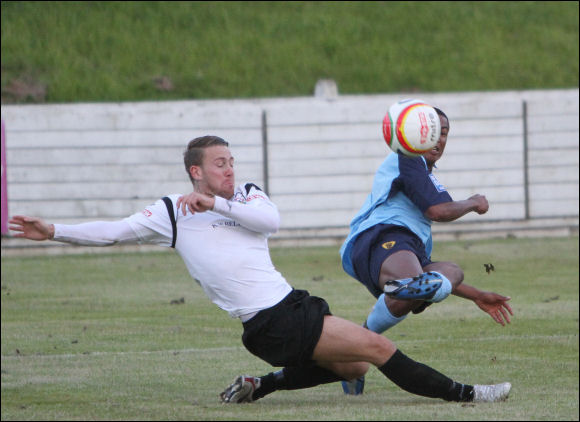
(390, 243)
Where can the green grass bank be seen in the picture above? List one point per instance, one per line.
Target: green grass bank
(131, 51)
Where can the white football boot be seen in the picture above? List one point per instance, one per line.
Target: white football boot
(241, 390)
(491, 393)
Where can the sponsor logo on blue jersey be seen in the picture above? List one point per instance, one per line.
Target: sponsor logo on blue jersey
(437, 184)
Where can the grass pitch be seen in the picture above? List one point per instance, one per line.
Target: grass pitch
(132, 337)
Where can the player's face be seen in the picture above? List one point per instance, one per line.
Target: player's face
(435, 154)
(216, 174)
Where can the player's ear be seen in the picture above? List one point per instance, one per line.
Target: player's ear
(196, 172)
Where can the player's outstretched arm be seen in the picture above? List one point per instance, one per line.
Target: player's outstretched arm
(32, 228)
(94, 233)
(494, 304)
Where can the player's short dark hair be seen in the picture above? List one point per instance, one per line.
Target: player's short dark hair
(193, 155)
(441, 113)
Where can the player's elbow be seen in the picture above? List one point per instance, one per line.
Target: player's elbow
(271, 220)
(438, 213)
(268, 224)
(273, 224)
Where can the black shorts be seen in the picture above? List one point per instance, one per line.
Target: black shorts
(376, 244)
(287, 333)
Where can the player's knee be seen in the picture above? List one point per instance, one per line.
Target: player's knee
(355, 370)
(455, 275)
(451, 271)
(378, 347)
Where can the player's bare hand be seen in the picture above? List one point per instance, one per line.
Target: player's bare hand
(195, 202)
(32, 228)
(496, 306)
(481, 204)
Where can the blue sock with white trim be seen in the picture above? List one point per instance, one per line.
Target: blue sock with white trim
(443, 291)
(380, 319)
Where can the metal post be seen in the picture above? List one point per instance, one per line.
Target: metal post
(526, 169)
(265, 172)
(4, 186)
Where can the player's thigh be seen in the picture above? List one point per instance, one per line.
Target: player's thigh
(344, 341)
(401, 264)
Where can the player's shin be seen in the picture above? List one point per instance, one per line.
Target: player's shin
(423, 380)
(380, 319)
(431, 286)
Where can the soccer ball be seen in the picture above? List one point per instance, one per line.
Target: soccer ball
(411, 127)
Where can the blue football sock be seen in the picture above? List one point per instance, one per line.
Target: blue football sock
(443, 291)
(380, 319)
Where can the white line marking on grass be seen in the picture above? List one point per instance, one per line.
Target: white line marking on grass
(140, 352)
(493, 338)
(240, 348)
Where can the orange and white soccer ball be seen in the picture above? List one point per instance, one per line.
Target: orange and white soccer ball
(411, 127)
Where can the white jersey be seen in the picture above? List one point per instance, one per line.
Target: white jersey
(225, 249)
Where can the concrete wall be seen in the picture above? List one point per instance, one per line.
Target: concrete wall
(316, 157)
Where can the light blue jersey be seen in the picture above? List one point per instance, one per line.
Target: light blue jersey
(403, 189)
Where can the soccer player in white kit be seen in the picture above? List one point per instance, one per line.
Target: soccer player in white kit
(221, 232)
